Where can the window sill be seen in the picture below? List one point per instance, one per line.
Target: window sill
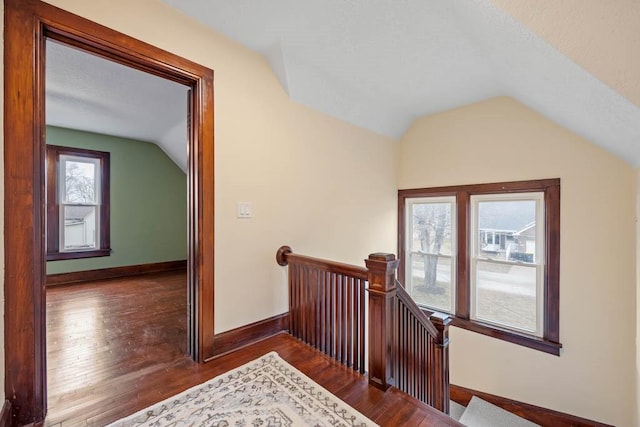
(535, 343)
(57, 256)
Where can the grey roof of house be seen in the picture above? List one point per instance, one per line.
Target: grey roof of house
(77, 213)
(506, 215)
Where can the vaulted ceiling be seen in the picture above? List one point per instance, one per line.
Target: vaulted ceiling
(381, 64)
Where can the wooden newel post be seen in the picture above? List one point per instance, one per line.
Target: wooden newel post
(382, 288)
(441, 361)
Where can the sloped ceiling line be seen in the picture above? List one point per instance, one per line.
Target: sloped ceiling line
(277, 62)
(90, 93)
(539, 76)
(380, 64)
(377, 64)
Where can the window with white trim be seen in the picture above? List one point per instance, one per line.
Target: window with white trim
(431, 251)
(488, 254)
(507, 266)
(77, 203)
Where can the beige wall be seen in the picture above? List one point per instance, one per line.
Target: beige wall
(316, 183)
(324, 187)
(502, 140)
(600, 36)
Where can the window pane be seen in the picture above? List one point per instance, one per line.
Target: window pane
(506, 294)
(430, 251)
(431, 228)
(431, 281)
(507, 230)
(80, 181)
(80, 225)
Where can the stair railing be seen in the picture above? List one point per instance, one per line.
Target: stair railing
(327, 310)
(327, 306)
(422, 349)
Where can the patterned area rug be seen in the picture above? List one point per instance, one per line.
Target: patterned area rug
(267, 392)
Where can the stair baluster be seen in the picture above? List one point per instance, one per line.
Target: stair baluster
(406, 349)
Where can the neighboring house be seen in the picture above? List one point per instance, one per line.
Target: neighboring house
(80, 227)
(525, 240)
(510, 244)
(496, 241)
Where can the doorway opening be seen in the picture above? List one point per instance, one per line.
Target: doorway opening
(116, 220)
(28, 25)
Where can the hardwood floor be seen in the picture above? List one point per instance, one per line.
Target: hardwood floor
(117, 346)
(107, 339)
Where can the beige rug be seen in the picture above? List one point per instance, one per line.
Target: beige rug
(267, 392)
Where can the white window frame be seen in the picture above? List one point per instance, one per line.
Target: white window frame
(63, 202)
(538, 262)
(410, 202)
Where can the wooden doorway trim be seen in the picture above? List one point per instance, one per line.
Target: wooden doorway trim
(27, 24)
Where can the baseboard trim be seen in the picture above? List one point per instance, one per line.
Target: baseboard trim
(111, 273)
(5, 415)
(536, 414)
(235, 339)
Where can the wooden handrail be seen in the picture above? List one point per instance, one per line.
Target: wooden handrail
(407, 348)
(411, 305)
(285, 255)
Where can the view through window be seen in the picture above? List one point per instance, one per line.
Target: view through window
(77, 203)
(506, 262)
(488, 254)
(431, 252)
(79, 189)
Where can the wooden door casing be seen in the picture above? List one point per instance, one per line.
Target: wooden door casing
(27, 25)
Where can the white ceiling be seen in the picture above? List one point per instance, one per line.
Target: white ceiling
(378, 64)
(89, 93)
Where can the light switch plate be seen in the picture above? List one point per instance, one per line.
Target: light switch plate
(244, 210)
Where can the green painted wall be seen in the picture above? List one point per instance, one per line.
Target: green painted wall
(148, 202)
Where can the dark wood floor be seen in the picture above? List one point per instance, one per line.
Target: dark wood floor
(118, 346)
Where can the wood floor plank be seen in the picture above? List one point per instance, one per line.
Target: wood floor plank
(117, 346)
